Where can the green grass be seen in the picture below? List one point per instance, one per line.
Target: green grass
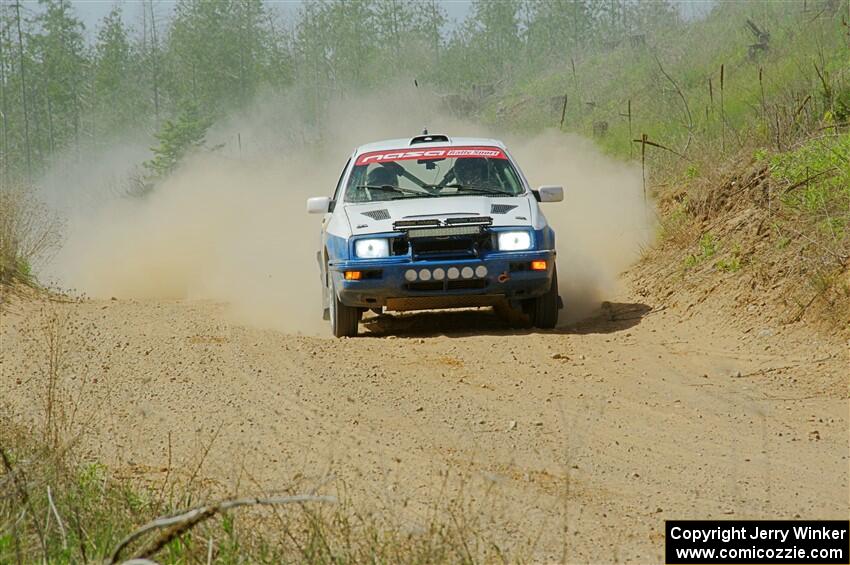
(98, 510)
(605, 83)
(732, 263)
(786, 109)
(816, 182)
(707, 250)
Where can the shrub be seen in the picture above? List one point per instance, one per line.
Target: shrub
(28, 233)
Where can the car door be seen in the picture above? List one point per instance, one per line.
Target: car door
(322, 256)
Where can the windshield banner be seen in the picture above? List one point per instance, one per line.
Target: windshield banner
(431, 153)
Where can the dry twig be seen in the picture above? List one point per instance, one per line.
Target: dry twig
(180, 523)
(58, 519)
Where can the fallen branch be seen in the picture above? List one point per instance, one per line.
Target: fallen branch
(784, 367)
(180, 523)
(810, 178)
(23, 493)
(58, 519)
(841, 258)
(659, 146)
(682, 96)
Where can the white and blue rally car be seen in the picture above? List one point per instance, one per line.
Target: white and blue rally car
(435, 222)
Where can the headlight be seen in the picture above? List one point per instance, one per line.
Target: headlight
(372, 248)
(514, 241)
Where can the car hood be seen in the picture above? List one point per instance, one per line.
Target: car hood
(378, 217)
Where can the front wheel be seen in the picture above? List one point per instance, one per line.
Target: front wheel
(543, 310)
(344, 319)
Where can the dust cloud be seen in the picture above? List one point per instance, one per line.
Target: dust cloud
(230, 225)
(601, 226)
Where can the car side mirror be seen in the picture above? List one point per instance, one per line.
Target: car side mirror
(550, 193)
(318, 205)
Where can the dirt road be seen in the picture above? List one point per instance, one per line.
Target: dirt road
(573, 445)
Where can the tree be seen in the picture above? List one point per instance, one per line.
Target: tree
(558, 29)
(59, 50)
(217, 52)
(408, 36)
(114, 90)
(23, 84)
(177, 139)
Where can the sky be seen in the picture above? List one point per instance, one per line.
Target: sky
(92, 11)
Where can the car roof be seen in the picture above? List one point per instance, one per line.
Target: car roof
(405, 143)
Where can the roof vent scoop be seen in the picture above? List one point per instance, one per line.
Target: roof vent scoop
(428, 138)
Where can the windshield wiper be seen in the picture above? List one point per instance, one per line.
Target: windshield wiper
(479, 189)
(399, 190)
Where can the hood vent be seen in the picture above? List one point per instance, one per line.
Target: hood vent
(501, 208)
(383, 214)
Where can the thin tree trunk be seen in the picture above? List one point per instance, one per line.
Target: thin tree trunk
(194, 85)
(77, 119)
(24, 89)
(435, 29)
(243, 91)
(155, 56)
(575, 27)
(3, 103)
(50, 138)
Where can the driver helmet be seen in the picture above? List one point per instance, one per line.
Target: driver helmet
(472, 171)
(381, 176)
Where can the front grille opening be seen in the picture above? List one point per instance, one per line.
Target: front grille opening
(444, 246)
(469, 284)
(425, 286)
(374, 274)
(398, 246)
(519, 267)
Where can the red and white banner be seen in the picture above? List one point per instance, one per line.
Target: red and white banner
(430, 153)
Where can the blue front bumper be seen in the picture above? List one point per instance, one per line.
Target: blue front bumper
(509, 277)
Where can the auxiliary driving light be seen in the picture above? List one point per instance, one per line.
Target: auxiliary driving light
(453, 273)
(467, 272)
(538, 265)
(410, 275)
(439, 274)
(480, 271)
(353, 275)
(425, 275)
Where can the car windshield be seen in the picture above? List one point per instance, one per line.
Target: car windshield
(434, 172)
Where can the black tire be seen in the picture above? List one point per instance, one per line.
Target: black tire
(543, 310)
(344, 319)
(514, 317)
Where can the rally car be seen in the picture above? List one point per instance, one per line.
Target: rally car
(435, 222)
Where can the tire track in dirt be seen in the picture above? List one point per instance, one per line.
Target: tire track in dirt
(568, 445)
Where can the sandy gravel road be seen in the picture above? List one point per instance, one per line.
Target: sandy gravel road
(572, 445)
